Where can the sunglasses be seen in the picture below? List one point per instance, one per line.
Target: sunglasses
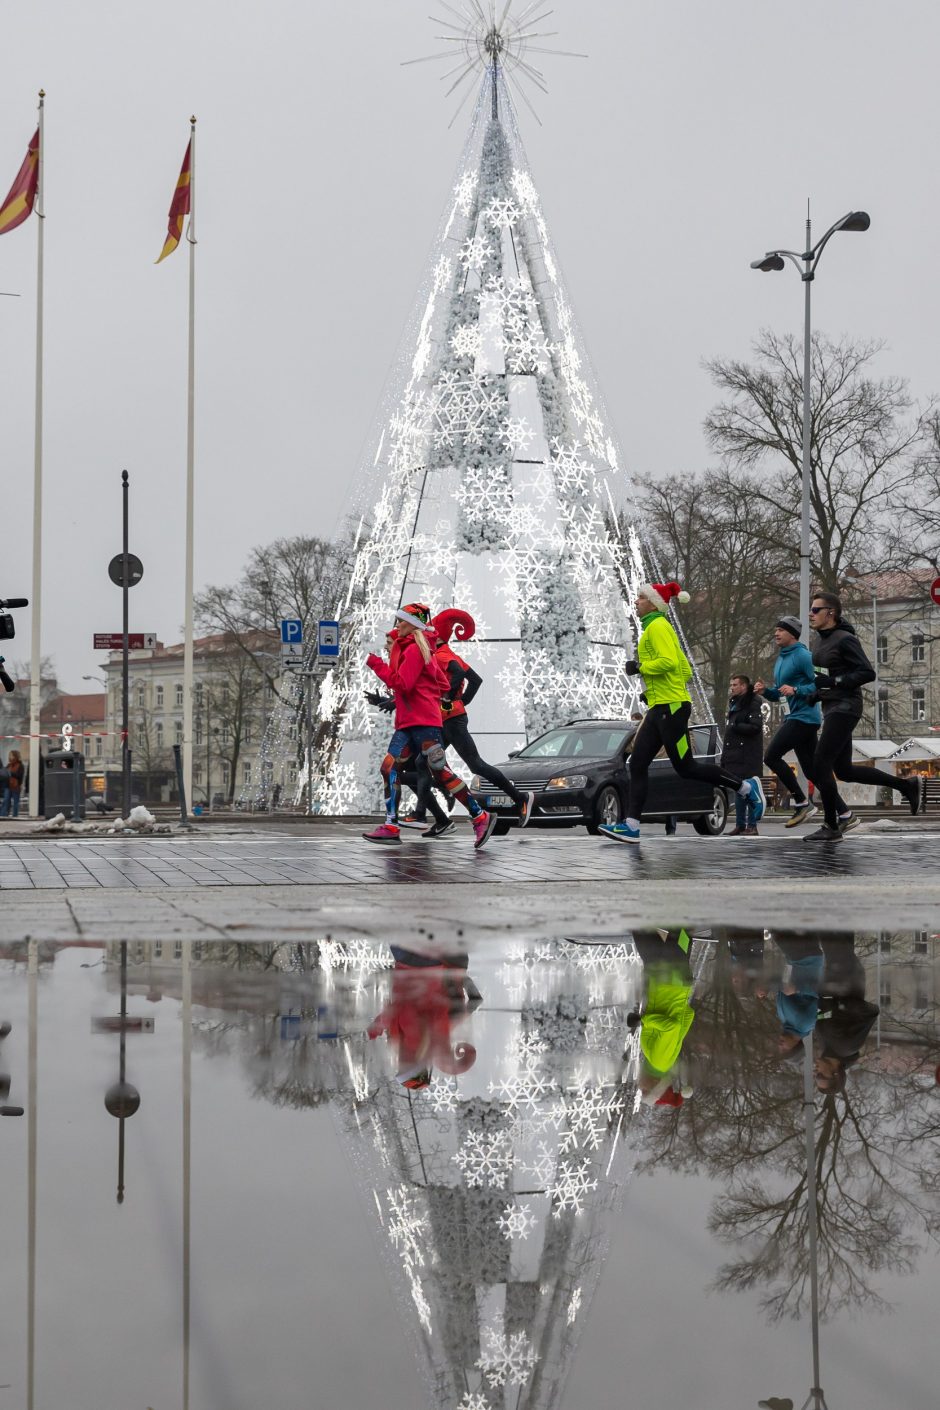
(814, 611)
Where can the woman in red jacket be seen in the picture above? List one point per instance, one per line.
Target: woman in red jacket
(418, 683)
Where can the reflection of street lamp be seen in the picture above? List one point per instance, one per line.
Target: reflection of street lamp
(122, 1098)
(773, 260)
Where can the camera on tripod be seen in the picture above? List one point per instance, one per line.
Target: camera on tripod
(8, 632)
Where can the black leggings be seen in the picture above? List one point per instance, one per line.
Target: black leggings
(457, 736)
(833, 759)
(798, 737)
(667, 727)
(419, 780)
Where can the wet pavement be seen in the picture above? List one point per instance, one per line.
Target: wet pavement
(511, 1175)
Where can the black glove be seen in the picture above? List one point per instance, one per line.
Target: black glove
(632, 668)
(643, 697)
(381, 702)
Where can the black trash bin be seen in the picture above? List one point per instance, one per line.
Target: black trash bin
(64, 784)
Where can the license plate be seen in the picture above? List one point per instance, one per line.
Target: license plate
(498, 800)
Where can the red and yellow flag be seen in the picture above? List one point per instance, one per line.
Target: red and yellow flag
(179, 207)
(22, 195)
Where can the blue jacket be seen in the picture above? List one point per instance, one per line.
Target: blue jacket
(794, 666)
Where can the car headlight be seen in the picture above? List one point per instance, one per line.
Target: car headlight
(568, 781)
(475, 784)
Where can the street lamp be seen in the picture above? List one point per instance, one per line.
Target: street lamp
(772, 261)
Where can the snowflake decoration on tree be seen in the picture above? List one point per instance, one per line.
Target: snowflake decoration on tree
(441, 276)
(467, 340)
(474, 252)
(503, 1359)
(530, 1047)
(465, 190)
(485, 1160)
(473, 1401)
(484, 494)
(588, 1110)
(361, 955)
(527, 352)
(501, 213)
(574, 1306)
(524, 187)
(406, 1226)
(508, 300)
(573, 474)
(541, 1165)
(463, 406)
(516, 435)
(516, 1220)
(570, 1186)
(521, 1089)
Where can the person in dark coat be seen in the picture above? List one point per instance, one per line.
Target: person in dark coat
(845, 1016)
(743, 752)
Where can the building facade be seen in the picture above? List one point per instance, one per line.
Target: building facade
(899, 627)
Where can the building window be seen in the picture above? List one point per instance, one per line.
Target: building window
(882, 650)
(920, 943)
(177, 949)
(159, 697)
(918, 646)
(246, 774)
(141, 697)
(178, 731)
(99, 744)
(921, 989)
(179, 695)
(248, 732)
(158, 732)
(158, 949)
(199, 695)
(197, 950)
(885, 993)
(884, 944)
(226, 770)
(199, 731)
(197, 773)
(919, 702)
(225, 733)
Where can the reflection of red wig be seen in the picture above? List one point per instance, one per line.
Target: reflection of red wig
(454, 622)
(423, 1007)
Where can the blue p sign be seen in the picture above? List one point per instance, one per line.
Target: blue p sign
(292, 631)
(328, 639)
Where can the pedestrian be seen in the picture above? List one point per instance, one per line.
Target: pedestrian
(665, 1015)
(842, 668)
(798, 992)
(417, 683)
(795, 682)
(845, 1017)
(11, 782)
(665, 670)
(743, 751)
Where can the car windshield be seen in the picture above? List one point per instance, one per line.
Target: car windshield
(588, 741)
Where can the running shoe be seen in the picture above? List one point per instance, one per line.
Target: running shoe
(914, 789)
(525, 808)
(620, 832)
(847, 824)
(413, 822)
(802, 812)
(758, 799)
(386, 834)
(442, 829)
(824, 834)
(483, 825)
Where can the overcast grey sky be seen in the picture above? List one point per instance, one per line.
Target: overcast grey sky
(684, 147)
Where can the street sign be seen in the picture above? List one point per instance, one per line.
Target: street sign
(114, 641)
(135, 570)
(935, 591)
(292, 656)
(292, 631)
(328, 638)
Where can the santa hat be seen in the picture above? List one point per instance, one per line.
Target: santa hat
(661, 594)
(670, 1098)
(416, 613)
(454, 622)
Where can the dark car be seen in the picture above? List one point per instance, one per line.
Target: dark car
(579, 773)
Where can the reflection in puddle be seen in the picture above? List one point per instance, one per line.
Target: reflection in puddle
(493, 1110)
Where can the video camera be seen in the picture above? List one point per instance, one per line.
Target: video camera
(8, 632)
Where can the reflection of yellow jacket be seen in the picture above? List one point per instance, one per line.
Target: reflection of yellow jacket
(666, 1021)
(664, 666)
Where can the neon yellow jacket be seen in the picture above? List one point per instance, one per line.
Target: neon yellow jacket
(664, 666)
(666, 1022)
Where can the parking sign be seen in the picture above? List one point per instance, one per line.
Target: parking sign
(292, 631)
(328, 639)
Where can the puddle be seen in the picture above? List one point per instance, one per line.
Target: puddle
(542, 1175)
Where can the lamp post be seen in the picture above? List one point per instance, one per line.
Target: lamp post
(774, 260)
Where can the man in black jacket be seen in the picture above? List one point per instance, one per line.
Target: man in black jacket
(845, 1016)
(842, 668)
(743, 750)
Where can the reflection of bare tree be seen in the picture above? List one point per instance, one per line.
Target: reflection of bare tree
(876, 1161)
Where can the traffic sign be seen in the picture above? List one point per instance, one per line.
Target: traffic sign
(935, 591)
(292, 631)
(328, 638)
(292, 656)
(114, 641)
(135, 570)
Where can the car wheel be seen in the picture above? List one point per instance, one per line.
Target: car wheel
(501, 828)
(607, 809)
(714, 823)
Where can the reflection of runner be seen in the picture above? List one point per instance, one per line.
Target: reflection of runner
(666, 1016)
(417, 682)
(429, 995)
(798, 992)
(845, 1018)
(665, 669)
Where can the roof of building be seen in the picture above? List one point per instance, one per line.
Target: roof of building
(908, 585)
(919, 748)
(91, 708)
(873, 748)
(219, 644)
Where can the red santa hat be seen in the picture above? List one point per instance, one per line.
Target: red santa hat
(661, 594)
(454, 622)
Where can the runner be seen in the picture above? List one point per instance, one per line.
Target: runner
(842, 668)
(795, 682)
(665, 669)
(417, 683)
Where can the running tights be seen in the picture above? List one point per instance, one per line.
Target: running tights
(833, 759)
(667, 727)
(798, 737)
(457, 736)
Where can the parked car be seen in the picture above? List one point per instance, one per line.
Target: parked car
(579, 773)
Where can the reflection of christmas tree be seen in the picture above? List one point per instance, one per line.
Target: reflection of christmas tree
(492, 479)
(493, 1190)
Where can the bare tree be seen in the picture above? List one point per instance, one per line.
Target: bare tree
(232, 698)
(867, 449)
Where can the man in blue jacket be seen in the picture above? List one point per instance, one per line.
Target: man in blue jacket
(795, 682)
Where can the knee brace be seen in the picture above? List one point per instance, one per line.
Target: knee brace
(436, 758)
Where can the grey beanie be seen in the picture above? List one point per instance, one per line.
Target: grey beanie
(793, 625)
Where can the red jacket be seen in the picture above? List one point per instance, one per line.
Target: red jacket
(417, 685)
(443, 656)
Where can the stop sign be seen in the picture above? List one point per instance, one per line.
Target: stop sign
(935, 591)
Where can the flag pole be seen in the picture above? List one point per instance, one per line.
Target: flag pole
(190, 484)
(35, 658)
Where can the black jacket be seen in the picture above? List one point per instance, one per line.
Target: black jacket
(743, 751)
(842, 668)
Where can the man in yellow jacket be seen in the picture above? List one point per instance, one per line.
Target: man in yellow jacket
(665, 669)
